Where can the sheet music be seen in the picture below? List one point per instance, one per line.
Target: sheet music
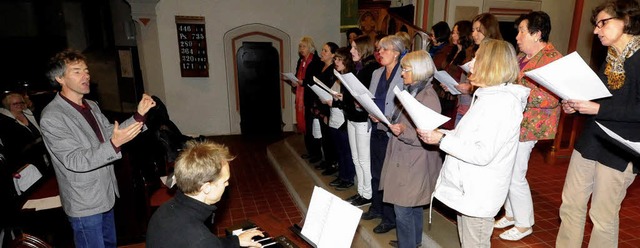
(324, 86)
(635, 146)
(570, 78)
(367, 103)
(423, 117)
(352, 84)
(168, 181)
(323, 95)
(29, 175)
(467, 66)
(44, 203)
(448, 81)
(331, 221)
(291, 77)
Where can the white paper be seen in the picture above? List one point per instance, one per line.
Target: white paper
(423, 117)
(29, 175)
(324, 86)
(467, 66)
(570, 78)
(323, 95)
(316, 130)
(448, 82)
(352, 84)
(635, 146)
(330, 221)
(367, 103)
(169, 183)
(44, 203)
(291, 77)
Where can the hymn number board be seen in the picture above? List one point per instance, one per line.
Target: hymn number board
(192, 45)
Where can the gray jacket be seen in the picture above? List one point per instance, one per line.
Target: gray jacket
(83, 166)
(390, 102)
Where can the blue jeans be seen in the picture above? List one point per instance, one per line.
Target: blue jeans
(94, 231)
(409, 226)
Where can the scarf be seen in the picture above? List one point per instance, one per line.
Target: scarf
(615, 63)
(413, 90)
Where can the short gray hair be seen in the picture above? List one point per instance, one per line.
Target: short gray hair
(393, 41)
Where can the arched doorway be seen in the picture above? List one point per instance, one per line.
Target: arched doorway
(259, 89)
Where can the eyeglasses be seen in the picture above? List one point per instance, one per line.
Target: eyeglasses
(17, 103)
(600, 24)
(406, 69)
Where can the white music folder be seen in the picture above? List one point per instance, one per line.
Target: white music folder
(330, 222)
(423, 117)
(570, 78)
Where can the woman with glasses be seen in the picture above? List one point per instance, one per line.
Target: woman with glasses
(481, 150)
(601, 169)
(20, 133)
(410, 168)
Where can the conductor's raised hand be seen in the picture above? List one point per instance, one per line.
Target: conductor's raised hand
(246, 238)
(124, 135)
(145, 104)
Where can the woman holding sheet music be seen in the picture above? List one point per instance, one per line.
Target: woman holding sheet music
(309, 65)
(357, 119)
(382, 82)
(410, 168)
(481, 150)
(321, 111)
(540, 121)
(484, 26)
(601, 169)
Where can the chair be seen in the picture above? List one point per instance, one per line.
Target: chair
(28, 241)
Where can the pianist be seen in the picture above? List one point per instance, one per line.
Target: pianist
(201, 173)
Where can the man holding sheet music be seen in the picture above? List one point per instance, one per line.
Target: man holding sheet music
(601, 170)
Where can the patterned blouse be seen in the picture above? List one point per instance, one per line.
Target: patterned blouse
(541, 116)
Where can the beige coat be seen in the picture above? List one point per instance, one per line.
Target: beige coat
(411, 167)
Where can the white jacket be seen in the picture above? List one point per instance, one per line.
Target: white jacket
(481, 152)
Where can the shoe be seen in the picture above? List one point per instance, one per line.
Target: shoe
(353, 197)
(370, 216)
(514, 235)
(321, 166)
(383, 228)
(503, 222)
(336, 182)
(344, 186)
(361, 201)
(330, 171)
(305, 156)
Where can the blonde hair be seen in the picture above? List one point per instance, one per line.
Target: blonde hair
(309, 42)
(420, 63)
(5, 100)
(200, 163)
(406, 38)
(364, 46)
(496, 63)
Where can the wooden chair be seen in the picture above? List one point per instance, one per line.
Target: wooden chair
(28, 241)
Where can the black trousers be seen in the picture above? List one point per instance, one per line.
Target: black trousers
(379, 141)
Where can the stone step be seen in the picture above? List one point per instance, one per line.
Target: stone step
(300, 177)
